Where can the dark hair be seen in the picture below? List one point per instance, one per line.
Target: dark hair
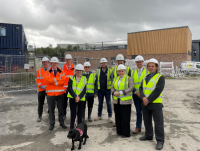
(156, 66)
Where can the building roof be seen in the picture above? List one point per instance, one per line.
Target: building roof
(195, 41)
(159, 29)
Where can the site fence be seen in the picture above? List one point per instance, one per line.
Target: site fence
(14, 82)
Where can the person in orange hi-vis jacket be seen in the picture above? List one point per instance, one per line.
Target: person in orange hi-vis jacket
(55, 80)
(69, 71)
(41, 86)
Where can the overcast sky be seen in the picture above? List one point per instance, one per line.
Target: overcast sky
(89, 21)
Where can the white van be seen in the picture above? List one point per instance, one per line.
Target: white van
(190, 67)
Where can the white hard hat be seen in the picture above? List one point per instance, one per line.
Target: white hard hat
(120, 57)
(68, 56)
(54, 59)
(139, 58)
(103, 60)
(152, 60)
(45, 59)
(87, 64)
(120, 67)
(79, 67)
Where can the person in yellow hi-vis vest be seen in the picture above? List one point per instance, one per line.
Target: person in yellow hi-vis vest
(151, 94)
(104, 82)
(138, 74)
(91, 90)
(76, 95)
(122, 88)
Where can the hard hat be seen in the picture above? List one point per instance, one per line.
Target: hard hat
(68, 56)
(103, 60)
(139, 58)
(120, 57)
(152, 60)
(45, 59)
(79, 67)
(54, 59)
(120, 67)
(87, 64)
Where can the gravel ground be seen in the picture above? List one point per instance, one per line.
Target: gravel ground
(19, 130)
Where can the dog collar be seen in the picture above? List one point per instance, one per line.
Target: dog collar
(80, 131)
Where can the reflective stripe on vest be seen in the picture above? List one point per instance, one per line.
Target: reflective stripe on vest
(150, 87)
(114, 70)
(90, 83)
(122, 86)
(136, 81)
(109, 82)
(78, 88)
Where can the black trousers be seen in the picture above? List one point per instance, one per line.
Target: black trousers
(90, 102)
(65, 103)
(41, 99)
(76, 109)
(122, 118)
(52, 100)
(157, 115)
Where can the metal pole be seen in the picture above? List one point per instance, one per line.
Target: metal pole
(102, 45)
(77, 47)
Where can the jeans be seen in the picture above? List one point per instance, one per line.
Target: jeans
(107, 94)
(138, 107)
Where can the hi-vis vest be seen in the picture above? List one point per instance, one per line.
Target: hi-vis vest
(109, 82)
(78, 88)
(90, 83)
(40, 79)
(68, 73)
(149, 88)
(114, 70)
(136, 81)
(122, 86)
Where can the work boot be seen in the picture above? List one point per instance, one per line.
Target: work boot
(51, 127)
(110, 120)
(159, 146)
(89, 115)
(63, 125)
(39, 118)
(83, 115)
(137, 130)
(98, 118)
(144, 138)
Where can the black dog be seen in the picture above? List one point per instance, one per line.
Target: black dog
(78, 134)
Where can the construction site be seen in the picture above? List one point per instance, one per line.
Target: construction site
(172, 47)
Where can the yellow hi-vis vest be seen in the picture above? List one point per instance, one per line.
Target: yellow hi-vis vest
(90, 83)
(114, 70)
(122, 86)
(136, 81)
(78, 88)
(109, 82)
(149, 88)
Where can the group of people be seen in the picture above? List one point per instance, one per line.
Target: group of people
(143, 86)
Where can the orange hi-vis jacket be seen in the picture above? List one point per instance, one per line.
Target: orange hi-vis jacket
(40, 79)
(68, 73)
(55, 84)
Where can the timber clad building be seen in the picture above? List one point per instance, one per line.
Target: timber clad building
(165, 45)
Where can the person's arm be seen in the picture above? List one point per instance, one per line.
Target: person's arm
(95, 86)
(129, 73)
(141, 91)
(61, 81)
(130, 86)
(49, 80)
(112, 89)
(38, 80)
(111, 76)
(82, 93)
(158, 90)
(70, 90)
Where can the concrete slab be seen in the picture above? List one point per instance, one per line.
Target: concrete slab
(20, 131)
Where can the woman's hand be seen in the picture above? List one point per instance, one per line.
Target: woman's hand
(116, 93)
(77, 99)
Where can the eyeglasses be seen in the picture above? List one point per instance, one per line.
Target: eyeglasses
(86, 67)
(139, 62)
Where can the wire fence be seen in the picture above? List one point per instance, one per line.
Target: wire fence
(17, 64)
(14, 82)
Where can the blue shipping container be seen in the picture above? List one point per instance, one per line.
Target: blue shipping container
(11, 52)
(12, 36)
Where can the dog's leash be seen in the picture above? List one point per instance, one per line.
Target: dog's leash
(75, 122)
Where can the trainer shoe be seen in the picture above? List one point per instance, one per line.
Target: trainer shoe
(98, 118)
(110, 120)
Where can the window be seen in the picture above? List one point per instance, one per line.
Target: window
(133, 56)
(87, 59)
(2, 31)
(198, 66)
(194, 52)
(112, 58)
